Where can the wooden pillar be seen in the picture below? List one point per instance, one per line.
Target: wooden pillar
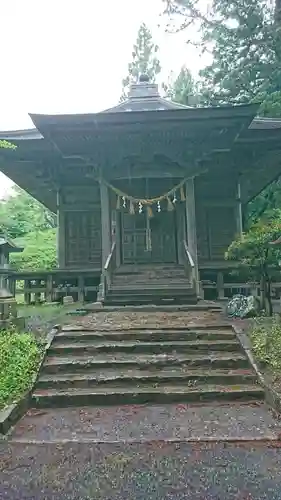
(61, 236)
(239, 214)
(118, 237)
(191, 225)
(105, 222)
(181, 231)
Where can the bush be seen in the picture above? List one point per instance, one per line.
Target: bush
(20, 355)
(266, 342)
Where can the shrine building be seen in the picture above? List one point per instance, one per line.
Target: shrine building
(149, 193)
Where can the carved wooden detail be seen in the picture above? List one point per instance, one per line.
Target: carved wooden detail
(73, 195)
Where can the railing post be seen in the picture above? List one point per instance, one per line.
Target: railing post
(27, 295)
(220, 285)
(37, 295)
(81, 286)
(49, 288)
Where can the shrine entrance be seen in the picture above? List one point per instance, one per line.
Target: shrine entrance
(149, 240)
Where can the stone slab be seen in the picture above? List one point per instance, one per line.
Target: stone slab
(149, 423)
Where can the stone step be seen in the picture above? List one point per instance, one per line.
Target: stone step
(61, 349)
(214, 360)
(148, 290)
(111, 395)
(177, 374)
(137, 300)
(145, 335)
(151, 278)
(155, 269)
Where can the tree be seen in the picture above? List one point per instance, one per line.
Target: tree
(182, 88)
(145, 60)
(39, 251)
(245, 39)
(21, 214)
(265, 205)
(255, 252)
(6, 145)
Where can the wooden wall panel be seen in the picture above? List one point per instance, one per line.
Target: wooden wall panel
(83, 239)
(216, 215)
(80, 212)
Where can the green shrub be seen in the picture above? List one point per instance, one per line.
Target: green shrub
(20, 355)
(266, 341)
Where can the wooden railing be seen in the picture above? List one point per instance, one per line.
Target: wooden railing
(53, 285)
(107, 273)
(223, 289)
(190, 266)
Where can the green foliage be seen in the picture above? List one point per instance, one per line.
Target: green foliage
(39, 251)
(21, 214)
(266, 342)
(254, 248)
(266, 205)
(182, 88)
(255, 252)
(244, 38)
(144, 60)
(6, 145)
(19, 360)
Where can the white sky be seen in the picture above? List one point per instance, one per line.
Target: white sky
(69, 56)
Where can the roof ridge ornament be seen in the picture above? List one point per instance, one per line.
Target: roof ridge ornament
(143, 89)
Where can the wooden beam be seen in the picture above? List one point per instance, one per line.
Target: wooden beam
(191, 224)
(239, 212)
(61, 236)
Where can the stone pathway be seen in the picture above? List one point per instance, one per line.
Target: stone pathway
(156, 471)
(140, 423)
(168, 451)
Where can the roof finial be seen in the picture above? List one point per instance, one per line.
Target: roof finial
(143, 78)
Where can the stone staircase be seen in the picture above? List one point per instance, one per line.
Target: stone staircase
(144, 365)
(150, 284)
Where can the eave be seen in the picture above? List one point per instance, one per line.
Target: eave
(61, 140)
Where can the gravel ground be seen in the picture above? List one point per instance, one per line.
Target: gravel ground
(156, 471)
(141, 422)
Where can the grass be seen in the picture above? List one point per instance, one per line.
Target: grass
(266, 341)
(41, 318)
(20, 355)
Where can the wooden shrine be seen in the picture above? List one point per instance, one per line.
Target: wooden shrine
(149, 186)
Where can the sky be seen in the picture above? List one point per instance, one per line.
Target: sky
(69, 56)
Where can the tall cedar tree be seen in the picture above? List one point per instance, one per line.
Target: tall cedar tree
(245, 39)
(181, 89)
(144, 60)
